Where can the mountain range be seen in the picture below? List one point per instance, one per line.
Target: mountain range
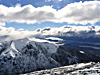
(23, 55)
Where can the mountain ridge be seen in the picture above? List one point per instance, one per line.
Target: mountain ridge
(23, 55)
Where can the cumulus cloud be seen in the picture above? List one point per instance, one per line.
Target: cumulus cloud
(8, 34)
(83, 13)
(71, 31)
(78, 12)
(2, 24)
(28, 14)
(21, 29)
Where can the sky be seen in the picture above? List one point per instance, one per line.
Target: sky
(33, 14)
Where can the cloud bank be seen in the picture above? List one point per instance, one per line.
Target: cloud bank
(2, 24)
(70, 31)
(8, 34)
(77, 13)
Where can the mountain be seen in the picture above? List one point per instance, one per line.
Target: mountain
(22, 56)
(90, 68)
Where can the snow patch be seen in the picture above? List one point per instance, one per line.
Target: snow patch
(54, 38)
(82, 52)
(20, 43)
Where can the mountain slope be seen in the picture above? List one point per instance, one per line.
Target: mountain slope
(20, 57)
(76, 69)
(66, 55)
(23, 55)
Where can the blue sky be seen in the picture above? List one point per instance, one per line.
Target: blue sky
(56, 6)
(40, 3)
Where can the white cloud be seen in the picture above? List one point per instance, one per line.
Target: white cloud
(59, 0)
(49, 0)
(21, 29)
(79, 31)
(54, 38)
(7, 34)
(2, 24)
(83, 13)
(28, 14)
(78, 12)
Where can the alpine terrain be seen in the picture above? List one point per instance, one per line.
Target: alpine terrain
(23, 56)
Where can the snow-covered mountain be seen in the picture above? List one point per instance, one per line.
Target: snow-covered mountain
(90, 68)
(22, 55)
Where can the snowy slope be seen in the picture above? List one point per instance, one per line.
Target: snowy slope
(11, 51)
(22, 56)
(20, 43)
(76, 69)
